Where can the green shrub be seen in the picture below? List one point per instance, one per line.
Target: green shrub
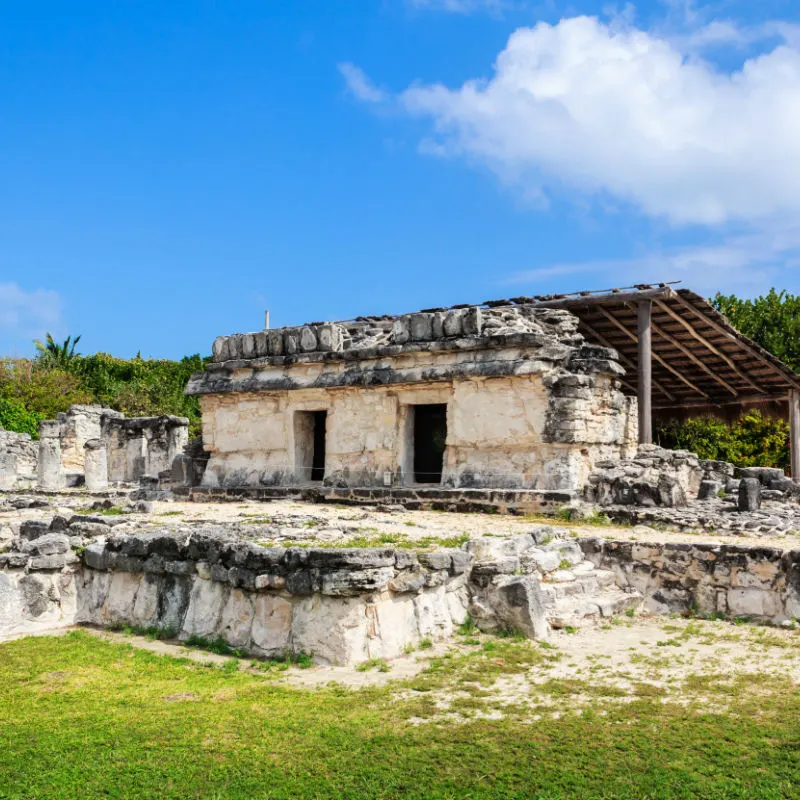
(753, 440)
(41, 389)
(15, 417)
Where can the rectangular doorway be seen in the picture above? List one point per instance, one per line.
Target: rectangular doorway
(430, 437)
(309, 444)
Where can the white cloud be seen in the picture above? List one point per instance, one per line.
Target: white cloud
(746, 264)
(29, 315)
(623, 115)
(361, 87)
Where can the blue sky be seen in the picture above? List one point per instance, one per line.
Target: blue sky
(170, 170)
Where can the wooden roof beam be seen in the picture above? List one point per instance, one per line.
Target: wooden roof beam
(732, 336)
(613, 298)
(689, 354)
(707, 344)
(683, 379)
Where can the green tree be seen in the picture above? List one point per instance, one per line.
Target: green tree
(773, 321)
(57, 355)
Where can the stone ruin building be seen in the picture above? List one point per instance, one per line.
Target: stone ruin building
(93, 446)
(517, 405)
(528, 396)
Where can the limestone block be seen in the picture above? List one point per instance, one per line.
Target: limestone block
(237, 619)
(31, 529)
(401, 330)
(47, 545)
(351, 582)
(334, 629)
(538, 560)
(11, 607)
(275, 342)
(757, 603)
(433, 613)
(206, 601)
(489, 548)
(452, 324)
(708, 489)
(174, 601)
(145, 607)
(420, 327)
(291, 341)
(749, 494)
(218, 349)
(396, 627)
(437, 325)
(92, 596)
(261, 345)
(270, 633)
(308, 339)
(8, 470)
(182, 471)
(121, 597)
(330, 337)
(472, 321)
(50, 475)
(248, 345)
(95, 464)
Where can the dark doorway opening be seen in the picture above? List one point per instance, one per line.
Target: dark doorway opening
(318, 458)
(430, 435)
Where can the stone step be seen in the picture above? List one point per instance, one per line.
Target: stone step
(584, 583)
(577, 610)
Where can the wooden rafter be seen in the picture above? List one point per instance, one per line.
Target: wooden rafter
(690, 355)
(704, 341)
(611, 318)
(738, 339)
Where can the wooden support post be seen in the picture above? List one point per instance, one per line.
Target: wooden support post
(645, 373)
(794, 433)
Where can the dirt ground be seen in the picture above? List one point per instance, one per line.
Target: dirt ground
(689, 661)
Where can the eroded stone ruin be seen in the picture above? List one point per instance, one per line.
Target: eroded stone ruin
(91, 445)
(507, 398)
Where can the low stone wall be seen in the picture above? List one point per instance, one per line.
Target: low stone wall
(521, 501)
(759, 583)
(344, 606)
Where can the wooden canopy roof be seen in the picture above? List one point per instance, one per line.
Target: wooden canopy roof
(698, 358)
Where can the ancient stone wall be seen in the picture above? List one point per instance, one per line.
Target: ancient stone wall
(759, 583)
(19, 458)
(143, 445)
(134, 446)
(344, 606)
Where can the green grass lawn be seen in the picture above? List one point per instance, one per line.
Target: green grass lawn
(85, 718)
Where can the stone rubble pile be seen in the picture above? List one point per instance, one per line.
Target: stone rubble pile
(653, 477)
(538, 580)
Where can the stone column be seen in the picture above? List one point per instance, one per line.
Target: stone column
(51, 474)
(8, 470)
(95, 460)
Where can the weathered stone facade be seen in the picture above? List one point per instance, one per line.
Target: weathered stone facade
(19, 460)
(529, 405)
(758, 583)
(70, 446)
